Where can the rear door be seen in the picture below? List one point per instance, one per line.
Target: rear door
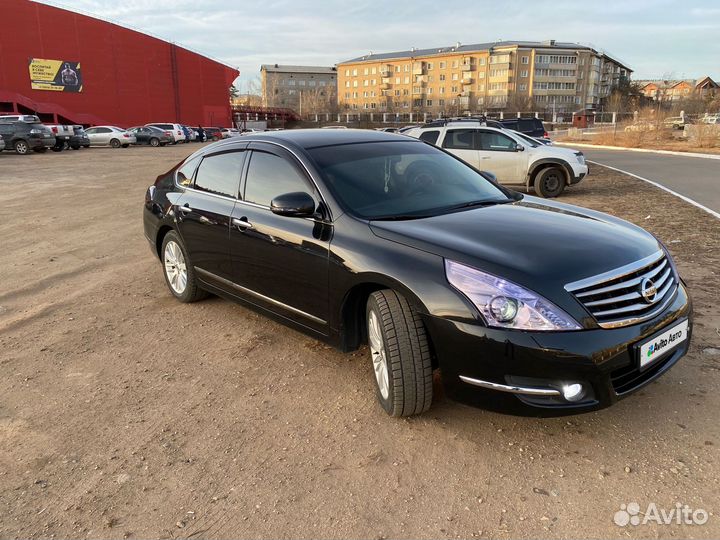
(461, 143)
(204, 211)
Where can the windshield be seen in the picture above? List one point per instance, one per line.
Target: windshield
(532, 142)
(401, 180)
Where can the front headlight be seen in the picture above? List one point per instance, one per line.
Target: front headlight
(505, 304)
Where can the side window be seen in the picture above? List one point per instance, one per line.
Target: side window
(269, 176)
(495, 141)
(103, 130)
(184, 174)
(430, 136)
(220, 174)
(459, 139)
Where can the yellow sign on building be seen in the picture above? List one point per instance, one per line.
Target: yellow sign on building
(55, 75)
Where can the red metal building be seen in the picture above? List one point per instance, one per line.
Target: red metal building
(125, 77)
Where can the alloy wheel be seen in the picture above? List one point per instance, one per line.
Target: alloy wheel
(175, 267)
(377, 352)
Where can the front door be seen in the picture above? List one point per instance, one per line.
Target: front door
(505, 161)
(204, 211)
(461, 143)
(280, 263)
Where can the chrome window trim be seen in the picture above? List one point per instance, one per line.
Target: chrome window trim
(258, 295)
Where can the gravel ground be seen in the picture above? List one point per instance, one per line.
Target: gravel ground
(126, 414)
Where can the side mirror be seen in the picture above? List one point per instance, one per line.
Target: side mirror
(489, 175)
(296, 204)
(519, 147)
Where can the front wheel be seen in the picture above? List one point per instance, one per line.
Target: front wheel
(179, 272)
(154, 142)
(550, 182)
(400, 354)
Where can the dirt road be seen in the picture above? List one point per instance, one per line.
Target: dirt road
(124, 413)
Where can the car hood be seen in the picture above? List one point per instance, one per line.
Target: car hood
(539, 244)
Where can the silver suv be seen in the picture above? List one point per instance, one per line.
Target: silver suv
(513, 159)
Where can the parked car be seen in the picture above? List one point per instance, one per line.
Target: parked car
(213, 133)
(674, 122)
(30, 118)
(2, 143)
(710, 118)
(112, 136)
(521, 303)
(529, 126)
(151, 135)
(535, 140)
(79, 138)
(189, 134)
(25, 135)
(387, 129)
(63, 133)
(230, 132)
(514, 160)
(641, 125)
(175, 130)
(334, 127)
(249, 131)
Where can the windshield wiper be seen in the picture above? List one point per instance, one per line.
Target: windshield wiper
(485, 202)
(399, 217)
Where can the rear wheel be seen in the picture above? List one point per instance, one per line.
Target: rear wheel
(114, 143)
(178, 270)
(400, 354)
(550, 182)
(22, 147)
(154, 141)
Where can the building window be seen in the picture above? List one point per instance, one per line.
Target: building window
(429, 91)
(372, 93)
(354, 72)
(500, 59)
(454, 89)
(428, 103)
(373, 82)
(498, 72)
(524, 72)
(365, 94)
(455, 77)
(301, 83)
(482, 61)
(442, 89)
(481, 87)
(442, 76)
(455, 64)
(365, 82)
(525, 60)
(291, 82)
(397, 92)
(311, 83)
(522, 87)
(347, 84)
(355, 83)
(443, 65)
(355, 95)
(406, 68)
(373, 71)
(429, 66)
(347, 72)
(407, 80)
(481, 75)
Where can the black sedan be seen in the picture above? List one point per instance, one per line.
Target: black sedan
(154, 136)
(359, 236)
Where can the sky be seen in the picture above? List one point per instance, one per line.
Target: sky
(657, 39)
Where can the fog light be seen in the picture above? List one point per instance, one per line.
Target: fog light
(573, 392)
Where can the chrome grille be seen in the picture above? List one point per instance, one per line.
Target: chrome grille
(624, 296)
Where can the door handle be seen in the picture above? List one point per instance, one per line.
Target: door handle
(243, 224)
(186, 208)
(485, 157)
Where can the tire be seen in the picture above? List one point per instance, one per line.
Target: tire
(154, 141)
(114, 143)
(549, 182)
(400, 352)
(216, 139)
(21, 147)
(176, 264)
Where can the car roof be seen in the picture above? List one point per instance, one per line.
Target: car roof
(312, 138)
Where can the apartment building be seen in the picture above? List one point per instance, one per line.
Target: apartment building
(677, 90)
(302, 88)
(510, 75)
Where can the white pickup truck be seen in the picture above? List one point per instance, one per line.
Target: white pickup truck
(62, 134)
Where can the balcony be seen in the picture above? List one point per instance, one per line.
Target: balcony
(468, 67)
(465, 93)
(418, 68)
(385, 72)
(467, 79)
(385, 86)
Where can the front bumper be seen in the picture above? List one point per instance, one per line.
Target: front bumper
(579, 173)
(525, 372)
